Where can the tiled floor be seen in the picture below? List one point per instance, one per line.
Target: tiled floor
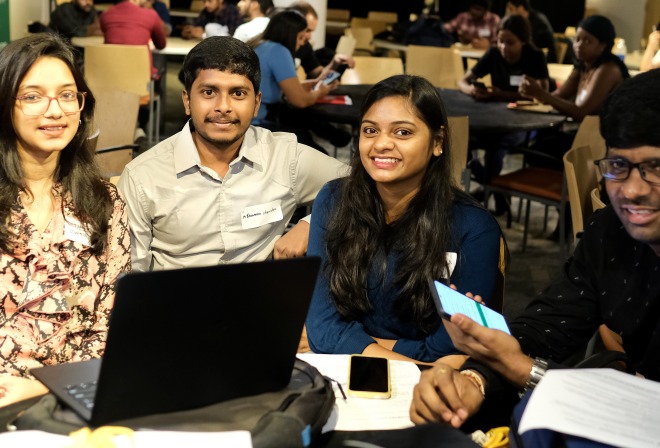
(528, 272)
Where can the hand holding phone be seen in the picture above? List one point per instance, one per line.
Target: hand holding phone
(479, 85)
(449, 301)
(369, 377)
(331, 77)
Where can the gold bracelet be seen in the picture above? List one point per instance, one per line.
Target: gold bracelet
(476, 379)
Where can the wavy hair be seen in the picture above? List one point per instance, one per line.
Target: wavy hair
(359, 239)
(77, 171)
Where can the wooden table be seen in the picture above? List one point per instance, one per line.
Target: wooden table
(466, 52)
(176, 46)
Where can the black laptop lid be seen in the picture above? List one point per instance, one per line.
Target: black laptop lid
(187, 338)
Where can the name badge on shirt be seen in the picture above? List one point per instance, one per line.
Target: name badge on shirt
(75, 231)
(515, 80)
(483, 32)
(259, 215)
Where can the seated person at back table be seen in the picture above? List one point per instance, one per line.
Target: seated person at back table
(77, 18)
(256, 14)
(513, 57)
(477, 26)
(284, 35)
(64, 231)
(542, 32)
(612, 278)
(221, 191)
(394, 224)
(163, 13)
(651, 56)
(127, 23)
(597, 73)
(223, 18)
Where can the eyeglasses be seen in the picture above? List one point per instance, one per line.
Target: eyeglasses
(34, 104)
(619, 169)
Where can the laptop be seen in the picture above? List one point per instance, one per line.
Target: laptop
(187, 338)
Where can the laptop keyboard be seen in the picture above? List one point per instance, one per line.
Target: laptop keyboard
(83, 393)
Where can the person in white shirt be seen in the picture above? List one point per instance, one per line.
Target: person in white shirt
(221, 191)
(256, 14)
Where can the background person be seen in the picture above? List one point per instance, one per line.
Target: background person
(651, 56)
(284, 34)
(542, 32)
(218, 18)
(612, 278)
(163, 13)
(513, 57)
(64, 231)
(256, 14)
(597, 73)
(394, 224)
(477, 26)
(76, 18)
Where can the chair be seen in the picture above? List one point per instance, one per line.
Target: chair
(376, 26)
(346, 45)
(370, 70)
(459, 132)
(197, 5)
(443, 67)
(128, 68)
(560, 72)
(338, 15)
(596, 202)
(382, 16)
(114, 180)
(561, 48)
(580, 181)
(364, 39)
(115, 120)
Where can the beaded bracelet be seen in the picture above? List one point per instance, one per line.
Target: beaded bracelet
(476, 379)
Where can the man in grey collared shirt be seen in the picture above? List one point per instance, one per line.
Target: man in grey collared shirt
(221, 191)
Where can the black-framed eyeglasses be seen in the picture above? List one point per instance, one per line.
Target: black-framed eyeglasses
(619, 169)
(69, 101)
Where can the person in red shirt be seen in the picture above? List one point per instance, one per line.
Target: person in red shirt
(127, 23)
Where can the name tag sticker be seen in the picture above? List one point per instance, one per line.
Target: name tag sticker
(515, 80)
(262, 214)
(582, 96)
(74, 231)
(484, 32)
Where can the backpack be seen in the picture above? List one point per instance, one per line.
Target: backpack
(291, 417)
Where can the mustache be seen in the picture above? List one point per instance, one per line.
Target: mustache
(220, 117)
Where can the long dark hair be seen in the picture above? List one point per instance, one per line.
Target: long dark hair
(282, 28)
(358, 237)
(77, 171)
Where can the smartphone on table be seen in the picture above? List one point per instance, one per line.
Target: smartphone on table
(369, 377)
(449, 302)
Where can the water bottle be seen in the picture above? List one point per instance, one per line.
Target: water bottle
(620, 49)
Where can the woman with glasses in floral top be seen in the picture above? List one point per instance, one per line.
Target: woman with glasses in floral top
(63, 230)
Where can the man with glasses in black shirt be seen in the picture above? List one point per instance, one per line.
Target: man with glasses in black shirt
(613, 278)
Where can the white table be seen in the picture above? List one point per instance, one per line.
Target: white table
(176, 46)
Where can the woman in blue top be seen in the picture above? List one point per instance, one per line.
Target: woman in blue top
(282, 37)
(395, 223)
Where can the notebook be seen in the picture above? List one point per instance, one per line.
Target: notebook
(187, 338)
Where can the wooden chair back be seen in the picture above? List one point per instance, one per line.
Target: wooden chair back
(580, 181)
(383, 16)
(459, 135)
(589, 134)
(338, 15)
(121, 67)
(376, 26)
(197, 5)
(113, 160)
(346, 45)
(596, 202)
(443, 67)
(561, 48)
(370, 70)
(115, 117)
(364, 39)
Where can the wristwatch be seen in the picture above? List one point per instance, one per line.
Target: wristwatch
(539, 367)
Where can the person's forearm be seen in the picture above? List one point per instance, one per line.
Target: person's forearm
(378, 350)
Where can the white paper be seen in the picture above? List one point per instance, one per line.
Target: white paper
(354, 414)
(604, 405)
(141, 439)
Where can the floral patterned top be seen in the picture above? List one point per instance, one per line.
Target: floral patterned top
(55, 295)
